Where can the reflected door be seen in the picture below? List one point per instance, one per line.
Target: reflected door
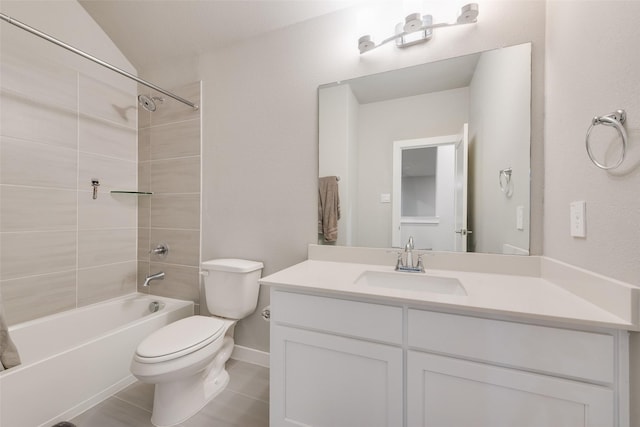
(461, 180)
(424, 195)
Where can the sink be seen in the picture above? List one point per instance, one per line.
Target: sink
(411, 282)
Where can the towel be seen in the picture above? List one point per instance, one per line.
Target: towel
(8, 352)
(328, 208)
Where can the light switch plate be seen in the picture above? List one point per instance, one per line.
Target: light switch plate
(385, 198)
(578, 216)
(520, 217)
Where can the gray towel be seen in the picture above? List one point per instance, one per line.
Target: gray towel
(328, 208)
(8, 352)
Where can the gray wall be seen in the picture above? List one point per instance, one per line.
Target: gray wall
(260, 152)
(593, 73)
(499, 139)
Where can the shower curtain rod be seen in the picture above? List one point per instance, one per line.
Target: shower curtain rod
(53, 40)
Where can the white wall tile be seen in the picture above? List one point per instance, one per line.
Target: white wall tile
(180, 139)
(104, 282)
(175, 175)
(39, 79)
(175, 211)
(144, 141)
(184, 246)
(99, 247)
(26, 119)
(101, 137)
(32, 253)
(144, 245)
(179, 282)
(144, 211)
(105, 101)
(171, 111)
(37, 296)
(144, 176)
(113, 174)
(37, 209)
(107, 211)
(34, 164)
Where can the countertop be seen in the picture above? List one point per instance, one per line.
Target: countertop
(508, 296)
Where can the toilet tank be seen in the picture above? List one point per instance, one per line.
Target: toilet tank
(231, 287)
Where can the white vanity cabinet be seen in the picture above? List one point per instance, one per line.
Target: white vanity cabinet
(335, 362)
(467, 371)
(338, 362)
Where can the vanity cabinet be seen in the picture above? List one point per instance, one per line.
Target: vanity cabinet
(327, 368)
(338, 362)
(464, 371)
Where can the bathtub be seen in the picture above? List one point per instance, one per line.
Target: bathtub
(75, 359)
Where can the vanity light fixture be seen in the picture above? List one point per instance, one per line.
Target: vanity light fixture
(418, 28)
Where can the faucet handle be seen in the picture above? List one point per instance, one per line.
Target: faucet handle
(399, 261)
(161, 250)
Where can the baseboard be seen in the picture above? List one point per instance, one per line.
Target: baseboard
(250, 355)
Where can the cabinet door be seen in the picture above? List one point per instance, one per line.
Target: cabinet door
(320, 379)
(448, 392)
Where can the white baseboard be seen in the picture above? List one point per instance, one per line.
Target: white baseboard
(250, 355)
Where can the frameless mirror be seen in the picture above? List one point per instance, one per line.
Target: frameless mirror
(438, 151)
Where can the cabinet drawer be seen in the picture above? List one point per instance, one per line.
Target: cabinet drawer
(576, 354)
(375, 322)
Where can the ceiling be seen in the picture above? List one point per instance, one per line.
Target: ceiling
(151, 31)
(420, 79)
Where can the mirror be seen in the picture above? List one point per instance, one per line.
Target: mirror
(462, 125)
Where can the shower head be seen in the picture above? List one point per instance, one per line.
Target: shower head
(149, 102)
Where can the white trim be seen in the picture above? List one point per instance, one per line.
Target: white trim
(250, 355)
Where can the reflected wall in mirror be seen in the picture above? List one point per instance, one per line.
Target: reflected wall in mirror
(361, 119)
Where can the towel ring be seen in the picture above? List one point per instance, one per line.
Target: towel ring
(616, 120)
(505, 184)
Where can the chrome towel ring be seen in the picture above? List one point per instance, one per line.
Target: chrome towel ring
(616, 120)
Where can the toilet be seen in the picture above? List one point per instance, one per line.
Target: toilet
(186, 359)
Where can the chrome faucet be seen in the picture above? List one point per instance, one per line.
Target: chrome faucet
(156, 276)
(405, 263)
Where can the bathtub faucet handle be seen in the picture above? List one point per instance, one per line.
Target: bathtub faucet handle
(156, 276)
(161, 250)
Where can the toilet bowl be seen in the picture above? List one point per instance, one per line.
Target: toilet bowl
(186, 359)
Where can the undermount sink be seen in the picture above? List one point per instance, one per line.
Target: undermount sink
(411, 282)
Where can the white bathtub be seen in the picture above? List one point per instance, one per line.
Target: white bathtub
(75, 359)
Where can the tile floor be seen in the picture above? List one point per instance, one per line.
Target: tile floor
(245, 402)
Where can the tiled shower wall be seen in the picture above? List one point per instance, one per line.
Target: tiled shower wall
(59, 129)
(169, 167)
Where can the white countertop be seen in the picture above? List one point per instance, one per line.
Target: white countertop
(513, 297)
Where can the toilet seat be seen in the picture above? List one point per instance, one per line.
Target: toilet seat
(179, 339)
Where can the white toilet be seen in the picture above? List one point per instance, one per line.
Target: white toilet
(186, 359)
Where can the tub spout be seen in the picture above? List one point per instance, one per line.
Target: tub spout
(156, 276)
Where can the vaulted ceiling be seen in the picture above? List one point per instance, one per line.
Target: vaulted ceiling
(149, 31)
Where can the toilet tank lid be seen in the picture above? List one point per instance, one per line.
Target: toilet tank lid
(232, 264)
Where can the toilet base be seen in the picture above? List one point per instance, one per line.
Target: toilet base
(177, 401)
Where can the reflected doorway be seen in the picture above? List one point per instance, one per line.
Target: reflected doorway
(429, 200)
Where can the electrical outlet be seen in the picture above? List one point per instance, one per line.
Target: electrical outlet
(578, 216)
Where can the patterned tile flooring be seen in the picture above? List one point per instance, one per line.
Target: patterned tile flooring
(245, 403)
